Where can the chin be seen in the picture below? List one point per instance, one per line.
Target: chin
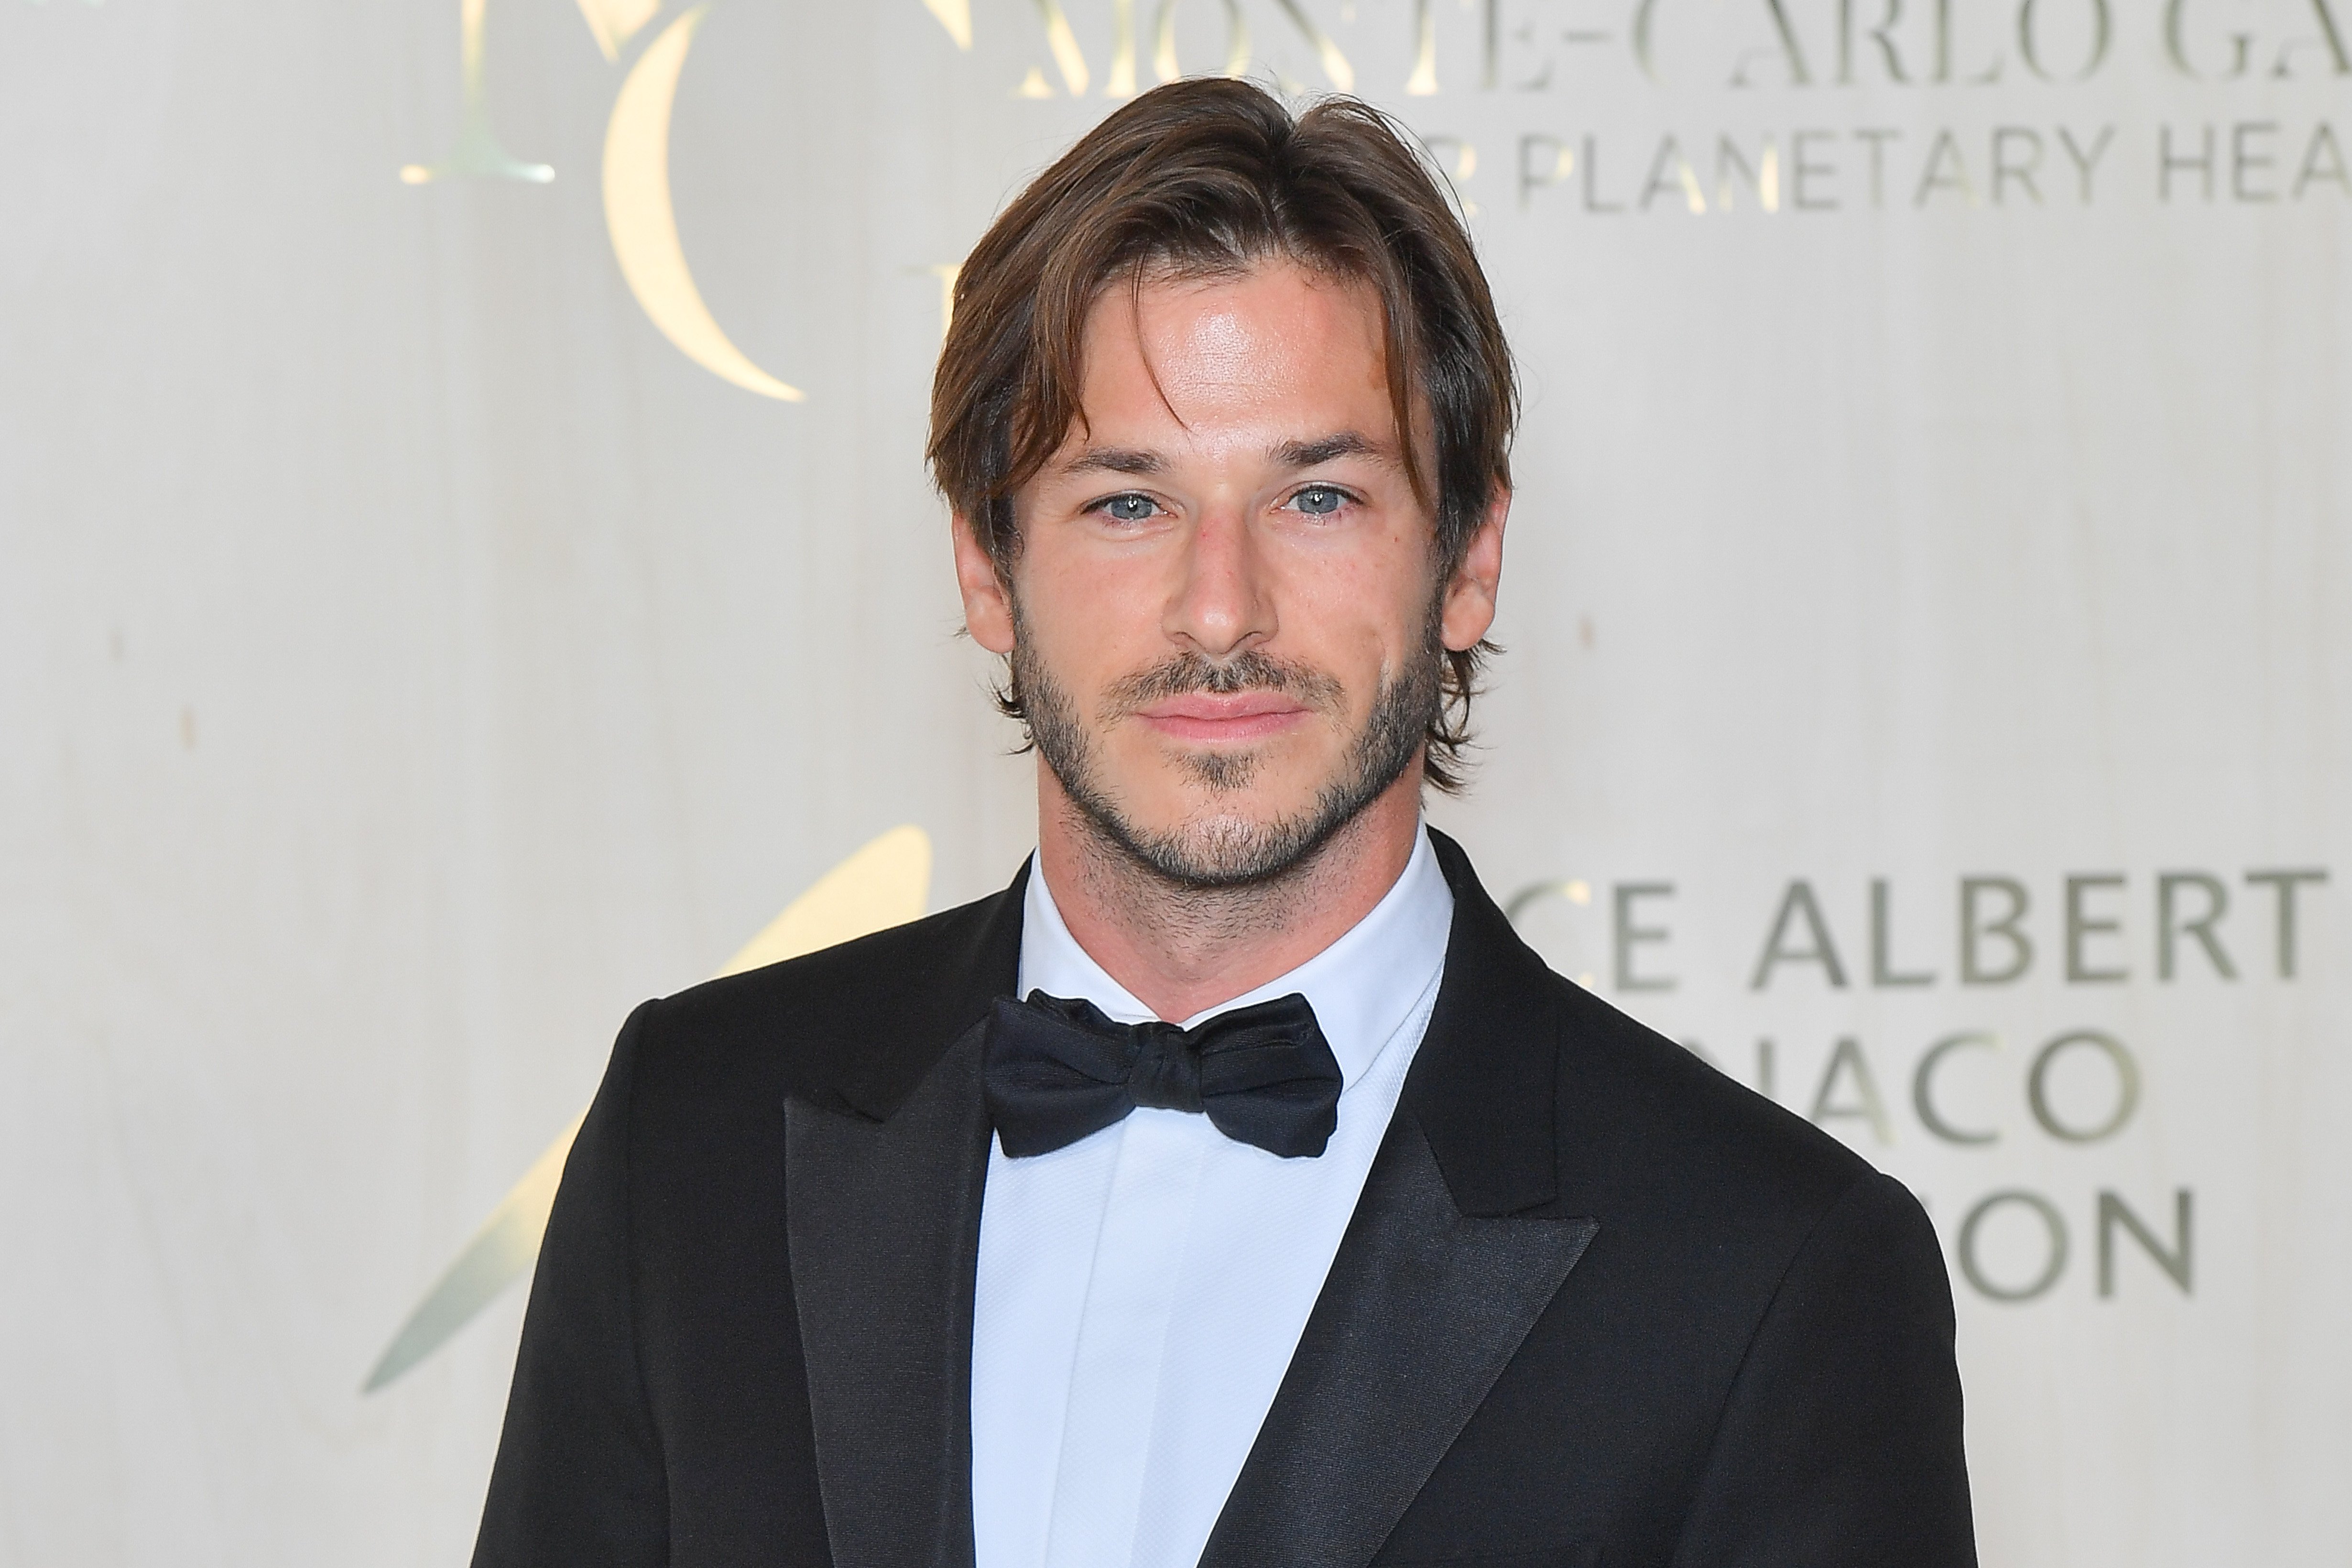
(1262, 804)
(1227, 820)
(1223, 841)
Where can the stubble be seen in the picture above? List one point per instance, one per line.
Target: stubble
(1228, 850)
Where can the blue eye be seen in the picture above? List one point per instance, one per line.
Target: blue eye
(1319, 501)
(1129, 507)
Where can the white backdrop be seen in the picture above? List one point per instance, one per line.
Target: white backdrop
(1935, 472)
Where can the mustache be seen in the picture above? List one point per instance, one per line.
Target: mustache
(1250, 671)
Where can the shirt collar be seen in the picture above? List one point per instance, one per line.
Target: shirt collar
(1364, 987)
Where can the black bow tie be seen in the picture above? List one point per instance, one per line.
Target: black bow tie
(1057, 1070)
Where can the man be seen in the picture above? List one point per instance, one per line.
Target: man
(939, 1248)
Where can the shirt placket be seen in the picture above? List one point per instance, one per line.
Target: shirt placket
(1122, 1339)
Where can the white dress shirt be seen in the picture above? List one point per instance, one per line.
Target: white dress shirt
(1141, 1291)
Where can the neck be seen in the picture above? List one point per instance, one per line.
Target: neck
(1181, 950)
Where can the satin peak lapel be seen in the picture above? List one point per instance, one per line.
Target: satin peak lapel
(1423, 1308)
(884, 1227)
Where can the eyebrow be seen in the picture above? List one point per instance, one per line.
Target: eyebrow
(1346, 444)
(1136, 461)
(1116, 460)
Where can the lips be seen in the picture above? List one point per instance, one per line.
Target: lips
(1234, 717)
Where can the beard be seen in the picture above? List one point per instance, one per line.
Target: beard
(1226, 848)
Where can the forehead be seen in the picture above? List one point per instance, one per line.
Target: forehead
(1276, 349)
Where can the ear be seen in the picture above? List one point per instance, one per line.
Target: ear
(1470, 596)
(987, 608)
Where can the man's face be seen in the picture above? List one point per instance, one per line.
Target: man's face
(1225, 617)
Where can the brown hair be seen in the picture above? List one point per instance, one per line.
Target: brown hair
(1202, 178)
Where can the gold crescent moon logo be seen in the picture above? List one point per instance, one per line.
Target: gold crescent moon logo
(644, 224)
(884, 884)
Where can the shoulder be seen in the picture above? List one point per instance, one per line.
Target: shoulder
(1641, 1127)
(1638, 1108)
(1677, 1157)
(845, 1021)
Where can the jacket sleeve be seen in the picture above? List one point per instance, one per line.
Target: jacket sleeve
(1840, 1442)
(579, 1481)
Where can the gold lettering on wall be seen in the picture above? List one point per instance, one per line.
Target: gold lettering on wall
(1798, 46)
(955, 15)
(1335, 68)
(1163, 50)
(1067, 58)
(946, 272)
(615, 22)
(644, 224)
(1121, 80)
(1423, 82)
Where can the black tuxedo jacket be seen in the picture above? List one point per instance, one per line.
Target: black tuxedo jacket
(1598, 1304)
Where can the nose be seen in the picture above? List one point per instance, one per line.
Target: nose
(1222, 603)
